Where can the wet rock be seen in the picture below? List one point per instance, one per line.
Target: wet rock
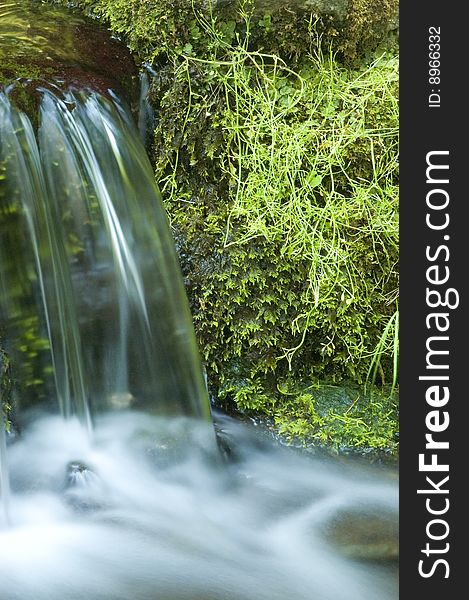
(44, 46)
(353, 27)
(82, 487)
(77, 473)
(338, 7)
(371, 536)
(5, 387)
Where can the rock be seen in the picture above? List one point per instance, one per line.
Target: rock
(55, 47)
(353, 26)
(371, 536)
(121, 400)
(336, 7)
(172, 27)
(82, 487)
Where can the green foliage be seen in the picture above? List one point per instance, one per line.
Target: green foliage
(161, 29)
(388, 343)
(287, 205)
(278, 166)
(340, 416)
(5, 387)
(295, 195)
(281, 185)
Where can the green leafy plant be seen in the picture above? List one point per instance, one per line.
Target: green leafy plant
(276, 148)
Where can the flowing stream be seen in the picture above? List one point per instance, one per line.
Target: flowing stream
(146, 510)
(4, 478)
(112, 485)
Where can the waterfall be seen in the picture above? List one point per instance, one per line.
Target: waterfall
(146, 114)
(111, 485)
(92, 304)
(4, 480)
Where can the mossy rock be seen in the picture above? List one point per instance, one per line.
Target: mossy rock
(258, 316)
(167, 27)
(5, 388)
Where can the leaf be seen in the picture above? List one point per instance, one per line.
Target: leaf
(313, 179)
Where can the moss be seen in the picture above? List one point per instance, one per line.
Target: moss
(5, 388)
(165, 28)
(278, 165)
(255, 257)
(277, 280)
(345, 416)
(367, 24)
(341, 416)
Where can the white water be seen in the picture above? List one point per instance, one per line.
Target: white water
(4, 480)
(156, 515)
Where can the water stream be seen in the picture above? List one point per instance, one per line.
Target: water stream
(111, 484)
(4, 478)
(93, 304)
(147, 511)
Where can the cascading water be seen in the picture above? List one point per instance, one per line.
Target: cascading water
(89, 266)
(145, 511)
(111, 486)
(4, 478)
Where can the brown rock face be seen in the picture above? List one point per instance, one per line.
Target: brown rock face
(52, 46)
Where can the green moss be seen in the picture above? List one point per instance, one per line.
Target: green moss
(367, 24)
(278, 166)
(5, 388)
(283, 207)
(282, 187)
(341, 417)
(158, 29)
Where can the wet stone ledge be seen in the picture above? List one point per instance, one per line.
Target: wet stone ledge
(55, 47)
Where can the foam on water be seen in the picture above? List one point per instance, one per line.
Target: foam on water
(156, 514)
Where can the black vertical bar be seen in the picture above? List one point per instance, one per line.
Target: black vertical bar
(434, 267)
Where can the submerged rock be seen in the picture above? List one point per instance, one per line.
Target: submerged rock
(365, 536)
(77, 474)
(122, 400)
(82, 487)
